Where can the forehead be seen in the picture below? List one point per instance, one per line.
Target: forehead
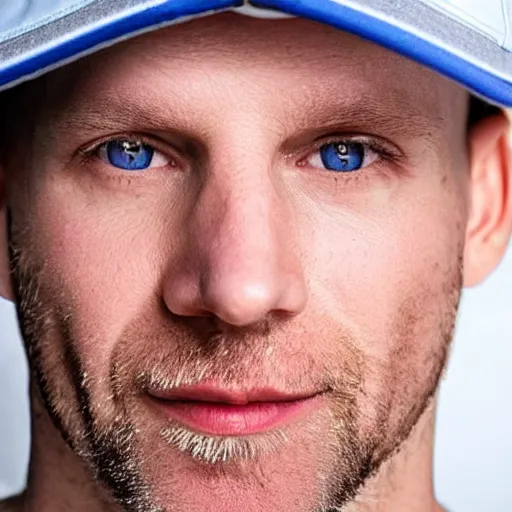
(299, 62)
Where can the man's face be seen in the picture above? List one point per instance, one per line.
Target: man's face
(291, 231)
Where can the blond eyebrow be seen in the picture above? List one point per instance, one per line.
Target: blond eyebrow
(361, 114)
(115, 113)
(372, 113)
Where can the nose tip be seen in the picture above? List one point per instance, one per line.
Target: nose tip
(245, 303)
(240, 294)
(239, 305)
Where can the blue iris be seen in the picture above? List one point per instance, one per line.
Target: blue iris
(129, 155)
(343, 156)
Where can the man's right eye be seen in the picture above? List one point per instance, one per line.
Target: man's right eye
(131, 155)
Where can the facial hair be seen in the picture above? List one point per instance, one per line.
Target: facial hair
(110, 449)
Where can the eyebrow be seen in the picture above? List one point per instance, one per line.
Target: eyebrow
(362, 113)
(114, 113)
(370, 107)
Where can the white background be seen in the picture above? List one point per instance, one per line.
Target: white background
(474, 444)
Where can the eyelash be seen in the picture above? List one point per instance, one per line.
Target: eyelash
(91, 151)
(386, 151)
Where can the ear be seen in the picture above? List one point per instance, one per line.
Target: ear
(490, 217)
(5, 278)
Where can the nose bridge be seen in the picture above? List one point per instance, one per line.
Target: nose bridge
(240, 195)
(247, 269)
(240, 236)
(243, 215)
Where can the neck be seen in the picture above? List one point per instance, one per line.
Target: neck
(59, 482)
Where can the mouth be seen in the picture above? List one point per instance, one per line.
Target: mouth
(218, 411)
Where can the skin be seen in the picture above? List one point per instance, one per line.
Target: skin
(241, 260)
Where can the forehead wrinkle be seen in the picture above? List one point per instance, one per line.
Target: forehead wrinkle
(251, 41)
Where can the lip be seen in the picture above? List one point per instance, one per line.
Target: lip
(209, 392)
(222, 412)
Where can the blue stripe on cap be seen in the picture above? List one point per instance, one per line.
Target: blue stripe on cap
(350, 20)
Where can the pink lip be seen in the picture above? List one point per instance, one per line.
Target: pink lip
(218, 411)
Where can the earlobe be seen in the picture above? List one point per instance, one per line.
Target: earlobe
(5, 279)
(490, 218)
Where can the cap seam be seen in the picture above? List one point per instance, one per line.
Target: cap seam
(507, 16)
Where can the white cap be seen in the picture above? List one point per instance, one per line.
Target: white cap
(469, 41)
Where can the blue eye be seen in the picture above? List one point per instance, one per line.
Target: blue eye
(130, 155)
(342, 156)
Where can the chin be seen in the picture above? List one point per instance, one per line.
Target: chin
(174, 468)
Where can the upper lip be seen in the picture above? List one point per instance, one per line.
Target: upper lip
(212, 393)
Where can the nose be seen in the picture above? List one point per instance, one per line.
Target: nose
(239, 262)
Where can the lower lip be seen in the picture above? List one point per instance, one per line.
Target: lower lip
(234, 420)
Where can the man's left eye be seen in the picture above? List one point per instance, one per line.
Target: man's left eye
(131, 155)
(342, 156)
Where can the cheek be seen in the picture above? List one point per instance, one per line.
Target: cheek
(386, 252)
(393, 279)
(103, 259)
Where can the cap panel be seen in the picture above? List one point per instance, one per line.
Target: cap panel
(487, 16)
(19, 17)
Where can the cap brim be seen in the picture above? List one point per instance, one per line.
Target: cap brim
(409, 27)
